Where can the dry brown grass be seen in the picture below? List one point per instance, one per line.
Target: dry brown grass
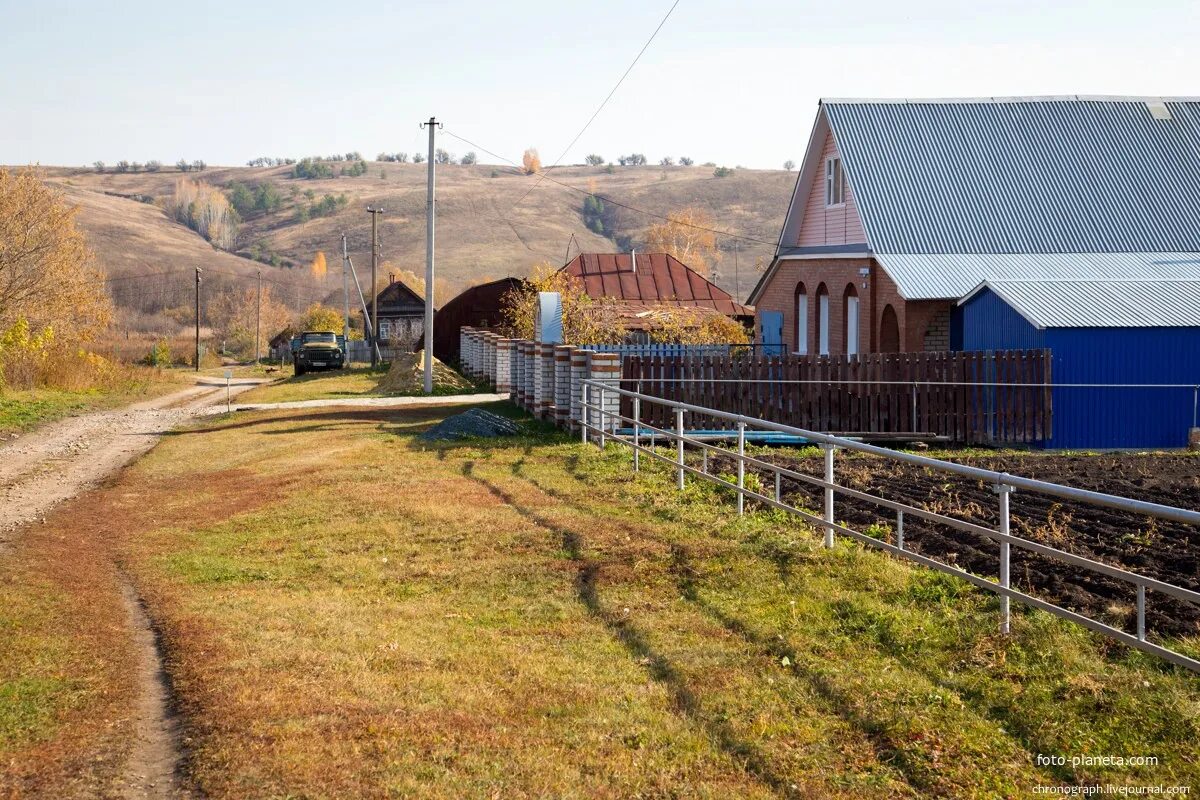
(479, 237)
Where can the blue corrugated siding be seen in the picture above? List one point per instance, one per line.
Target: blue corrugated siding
(1102, 418)
(1094, 418)
(989, 323)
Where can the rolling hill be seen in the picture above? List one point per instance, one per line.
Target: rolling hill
(483, 232)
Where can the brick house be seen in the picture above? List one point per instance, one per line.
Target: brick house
(902, 207)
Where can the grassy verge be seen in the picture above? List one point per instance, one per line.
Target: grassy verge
(22, 411)
(65, 685)
(525, 619)
(351, 382)
(349, 610)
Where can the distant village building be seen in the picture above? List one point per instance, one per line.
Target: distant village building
(477, 307)
(641, 292)
(903, 207)
(401, 317)
(643, 284)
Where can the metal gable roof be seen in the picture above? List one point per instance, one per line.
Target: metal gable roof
(1023, 175)
(660, 279)
(1100, 304)
(923, 276)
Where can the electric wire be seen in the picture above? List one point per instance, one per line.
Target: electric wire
(600, 108)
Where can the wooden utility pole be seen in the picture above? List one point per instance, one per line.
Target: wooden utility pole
(374, 212)
(197, 319)
(430, 208)
(258, 321)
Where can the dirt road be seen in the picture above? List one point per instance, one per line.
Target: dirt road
(44, 467)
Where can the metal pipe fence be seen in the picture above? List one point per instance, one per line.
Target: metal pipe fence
(1003, 484)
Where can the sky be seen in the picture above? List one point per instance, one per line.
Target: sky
(733, 83)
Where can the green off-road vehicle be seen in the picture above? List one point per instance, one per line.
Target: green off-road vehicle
(317, 350)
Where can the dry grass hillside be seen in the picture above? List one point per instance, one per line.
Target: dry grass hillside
(480, 235)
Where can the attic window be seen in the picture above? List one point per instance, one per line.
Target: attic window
(835, 182)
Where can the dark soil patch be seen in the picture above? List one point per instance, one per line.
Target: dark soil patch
(1168, 551)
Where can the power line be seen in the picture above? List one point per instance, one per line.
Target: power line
(600, 108)
(618, 203)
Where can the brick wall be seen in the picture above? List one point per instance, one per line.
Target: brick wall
(937, 333)
(913, 318)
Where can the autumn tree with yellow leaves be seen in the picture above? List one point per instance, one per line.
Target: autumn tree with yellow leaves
(318, 317)
(48, 276)
(586, 320)
(687, 235)
(530, 162)
(319, 268)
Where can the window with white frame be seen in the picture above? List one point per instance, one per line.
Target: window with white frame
(801, 321)
(823, 324)
(835, 182)
(852, 325)
(385, 329)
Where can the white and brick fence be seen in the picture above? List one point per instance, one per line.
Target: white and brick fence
(544, 379)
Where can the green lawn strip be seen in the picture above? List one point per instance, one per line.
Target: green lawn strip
(342, 383)
(1054, 688)
(36, 688)
(24, 410)
(64, 672)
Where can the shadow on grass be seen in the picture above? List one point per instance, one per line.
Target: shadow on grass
(1023, 731)
(635, 642)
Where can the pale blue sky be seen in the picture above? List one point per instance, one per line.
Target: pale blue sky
(731, 82)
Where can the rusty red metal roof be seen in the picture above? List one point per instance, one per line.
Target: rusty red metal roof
(659, 279)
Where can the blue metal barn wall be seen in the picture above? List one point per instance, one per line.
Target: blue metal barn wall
(1093, 418)
(1101, 418)
(989, 323)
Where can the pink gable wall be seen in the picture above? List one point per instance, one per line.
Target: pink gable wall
(821, 225)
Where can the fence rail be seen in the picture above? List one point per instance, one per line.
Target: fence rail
(600, 422)
(964, 398)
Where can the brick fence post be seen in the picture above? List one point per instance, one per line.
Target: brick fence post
(530, 376)
(605, 368)
(579, 370)
(503, 365)
(489, 345)
(519, 373)
(562, 385)
(514, 363)
(535, 388)
(549, 366)
(463, 333)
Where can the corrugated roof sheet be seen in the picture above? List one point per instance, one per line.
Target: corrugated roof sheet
(1101, 304)
(660, 279)
(933, 276)
(1023, 175)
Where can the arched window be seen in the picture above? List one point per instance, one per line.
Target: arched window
(801, 339)
(822, 320)
(889, 331)
(850, 315)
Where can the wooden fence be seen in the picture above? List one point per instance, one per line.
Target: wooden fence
(999, 397)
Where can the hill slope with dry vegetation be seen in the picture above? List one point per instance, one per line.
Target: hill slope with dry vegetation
(481, 235)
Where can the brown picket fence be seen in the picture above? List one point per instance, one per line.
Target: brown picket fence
(995, 397)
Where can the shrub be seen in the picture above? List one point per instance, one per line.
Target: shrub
(722, 172)
(159, 355)
(311, 169)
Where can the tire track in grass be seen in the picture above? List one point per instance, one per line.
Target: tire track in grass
(155, 767)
